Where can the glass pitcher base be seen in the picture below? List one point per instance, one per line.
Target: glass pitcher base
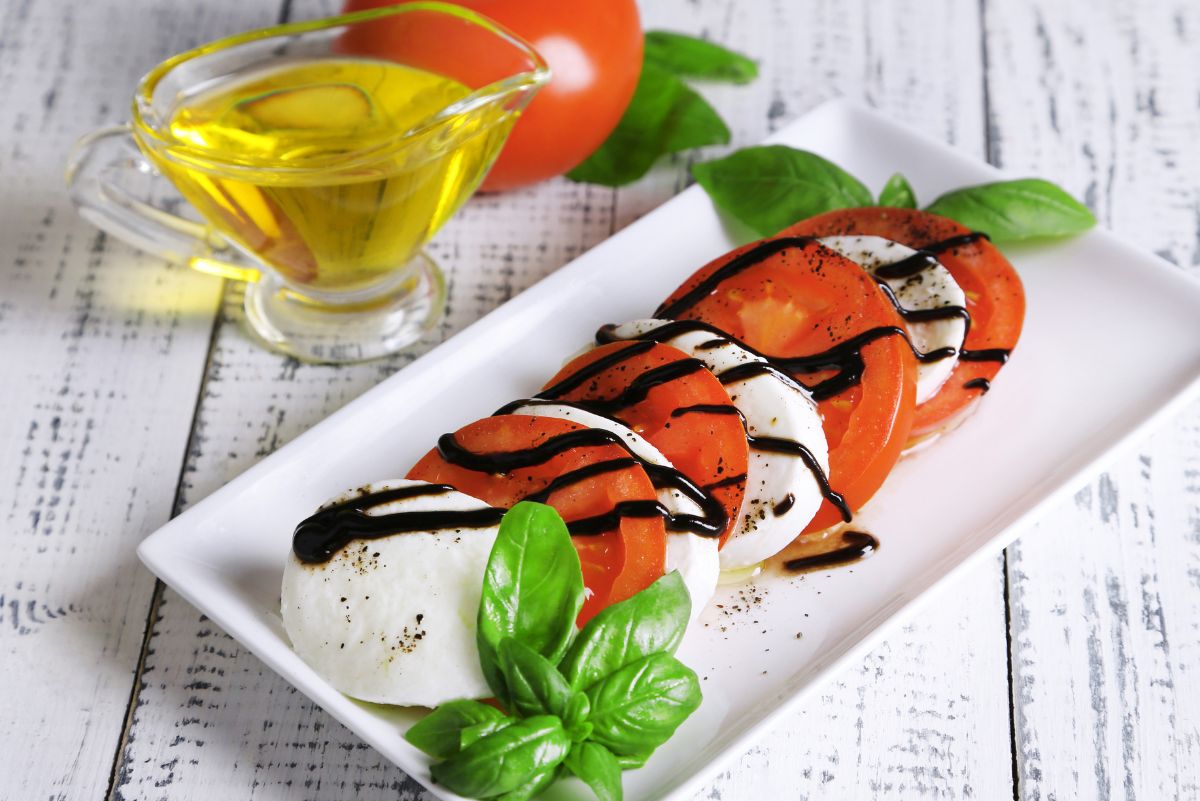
(356, 333)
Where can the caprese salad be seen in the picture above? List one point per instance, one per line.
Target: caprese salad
(766, 399)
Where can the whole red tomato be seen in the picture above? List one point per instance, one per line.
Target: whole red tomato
(594, 48)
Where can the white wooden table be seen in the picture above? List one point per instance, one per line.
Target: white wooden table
(128, 391)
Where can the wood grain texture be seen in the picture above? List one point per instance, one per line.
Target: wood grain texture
(103, 351)
(923, 717)
(1104, 591)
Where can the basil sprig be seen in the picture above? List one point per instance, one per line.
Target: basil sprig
(768, 188)
(591, 703)
(665, 115)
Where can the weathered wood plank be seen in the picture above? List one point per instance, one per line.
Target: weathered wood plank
(924, 716)
(1105, 608)
(102, 352)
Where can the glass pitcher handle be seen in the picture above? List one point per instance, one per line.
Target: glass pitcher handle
(104, 175)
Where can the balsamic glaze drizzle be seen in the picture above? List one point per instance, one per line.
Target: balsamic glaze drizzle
(638, 388)
(320, 536)
(793, 448)
(924, 315)
(763, 250)
(512, 406)
(780, 509)
(741, 372)
(846, 358)
(709, 524)
(985, 355)
(906, 267)
(708, 408)
(598, 524)
(453, 452)
(911, 265)
(772, 444)
(581, 474)
(779, 445)
(728, 481)
(925, 257)
(580, 376)
(859, 545)
(674, 328)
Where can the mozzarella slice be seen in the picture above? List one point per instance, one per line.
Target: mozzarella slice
(931, 288)
(695, 557)
(782, 493)
(392, 620)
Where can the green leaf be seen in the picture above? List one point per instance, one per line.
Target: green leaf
(438, 733)
(473, 734)
(689, 57)
(652, 621)
(535, 687)
(534, 787)
(1010, 211)
(596, 766)
(532, 589)
(506, 760)
(770, 187)
(638, 708)
(632, 761)
(575, 718)
(664, 116)
(897, 193)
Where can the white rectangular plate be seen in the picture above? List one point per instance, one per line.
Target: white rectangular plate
(1110, 347)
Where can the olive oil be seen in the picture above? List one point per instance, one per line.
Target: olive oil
(331, 170)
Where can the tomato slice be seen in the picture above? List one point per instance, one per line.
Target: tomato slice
(636, 383)
(617, 562)
(995, 298)
(791, 298)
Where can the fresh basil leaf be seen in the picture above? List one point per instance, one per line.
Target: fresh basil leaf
(534, 787)
(575, 717)
(695, 124)
(535, 687)
(506, 760)
(689, 57)
(770, 187)
(580, 732)
(651, 621)
(664, 116)
(638, 708)
(473, 734)
(633, 761)
(438, 733)
(532, 589)
(596, 766)
(898, 193)
(1009, 211)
